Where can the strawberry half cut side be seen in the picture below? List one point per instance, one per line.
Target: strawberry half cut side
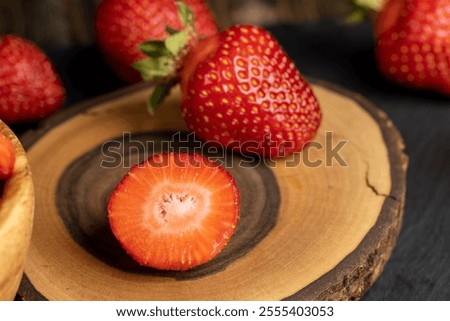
(7, 158)
(174, 211)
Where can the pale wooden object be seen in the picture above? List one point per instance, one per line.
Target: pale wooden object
(336, 224)
(16, 220)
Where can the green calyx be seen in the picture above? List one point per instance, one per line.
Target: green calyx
(165, 55)
(363, 9)
(374, 5)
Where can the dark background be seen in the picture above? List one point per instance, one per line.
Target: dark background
(324, 47)
(69, 22)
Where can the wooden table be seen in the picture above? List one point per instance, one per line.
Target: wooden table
(418, 268)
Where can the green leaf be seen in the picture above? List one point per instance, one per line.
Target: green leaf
(375, 5)
(356, 17)
(364, 9)
(177, 41)
(155, 68)
(185, 13)
(170, 30)
(154, 48)
(155, 98)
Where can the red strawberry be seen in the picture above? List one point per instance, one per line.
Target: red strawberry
(30, 89)
(174, 211)
(7, 158)
(413, 43)
(240, 89)
(122, 25)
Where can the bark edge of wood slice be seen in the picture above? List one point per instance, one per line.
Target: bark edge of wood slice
(336, 229)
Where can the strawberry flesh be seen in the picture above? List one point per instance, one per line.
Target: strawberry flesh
(7, 158)
(174, 211)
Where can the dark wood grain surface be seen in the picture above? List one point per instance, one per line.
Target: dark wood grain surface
(85, 187)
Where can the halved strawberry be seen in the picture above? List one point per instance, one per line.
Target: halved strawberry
(7, 158)
(174, 211)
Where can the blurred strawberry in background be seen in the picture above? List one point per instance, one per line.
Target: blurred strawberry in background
(413, 43)
(30, 88)
(122, 25)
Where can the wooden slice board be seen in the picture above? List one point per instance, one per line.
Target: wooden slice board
(308, 230)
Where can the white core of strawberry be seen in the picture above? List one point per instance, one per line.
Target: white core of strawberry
(181, 207)
(176, 204)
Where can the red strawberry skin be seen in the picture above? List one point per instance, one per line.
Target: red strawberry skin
(30, 88)
(174, 211)
(413, 43)
(7, 158)
(122, 25)
(241, 90)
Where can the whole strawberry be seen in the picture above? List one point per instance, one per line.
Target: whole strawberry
(242, 91)
(123, 25)
(413, 43)
(30, 88)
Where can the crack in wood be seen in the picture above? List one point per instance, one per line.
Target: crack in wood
(374, 189)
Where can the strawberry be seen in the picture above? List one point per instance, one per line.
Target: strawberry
(123, 25)
(7, 157)
(30, 88)
(242, 91)
(413, 43)
(174, 211)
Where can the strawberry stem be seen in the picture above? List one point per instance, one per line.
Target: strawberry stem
(165, 56)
